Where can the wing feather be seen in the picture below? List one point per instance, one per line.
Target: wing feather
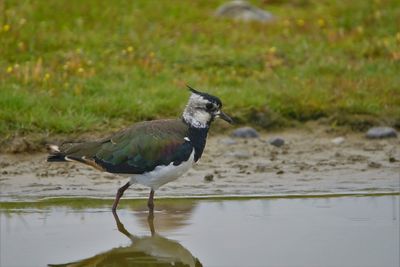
(138, 149)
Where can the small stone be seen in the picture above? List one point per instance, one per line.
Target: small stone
(209, 178)
(276, 141)
(381, 132)
(245, 132)
(337, 140)
(241, 154)
(373, 164)
(243, 11)
(227, 141)
(338, 155)
(261, 167)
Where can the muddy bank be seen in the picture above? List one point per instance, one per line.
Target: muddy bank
(308, 163)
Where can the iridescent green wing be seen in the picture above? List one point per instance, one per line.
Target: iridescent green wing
(143, 147)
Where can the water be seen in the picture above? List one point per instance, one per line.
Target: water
(336, 231)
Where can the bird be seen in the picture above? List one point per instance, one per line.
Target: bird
(151, 153)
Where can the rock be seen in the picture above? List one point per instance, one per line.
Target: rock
(245, 132)
(227, 141)
(374, 164)
(276, 141)
(209, 178)
(261, 167)
(240, 154)
(337, 140)
(243, 11)
(381, 132)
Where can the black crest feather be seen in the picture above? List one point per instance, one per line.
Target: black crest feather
(209, 97)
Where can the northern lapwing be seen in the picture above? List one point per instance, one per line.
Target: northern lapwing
(151, 153)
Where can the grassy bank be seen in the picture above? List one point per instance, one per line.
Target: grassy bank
(82, 66)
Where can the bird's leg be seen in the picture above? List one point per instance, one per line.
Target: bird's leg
(150, 221)
(120, 226)
(120, 192)
(150, 202)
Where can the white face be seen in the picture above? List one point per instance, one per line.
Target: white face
(199, 112)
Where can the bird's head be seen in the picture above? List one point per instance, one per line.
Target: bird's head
(202, 109)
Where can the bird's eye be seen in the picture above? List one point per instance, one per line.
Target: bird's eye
(210, 107)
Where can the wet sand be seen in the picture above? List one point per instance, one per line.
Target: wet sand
(308, 164)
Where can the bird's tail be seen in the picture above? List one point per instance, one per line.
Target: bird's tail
(59, 157)
(55, 154)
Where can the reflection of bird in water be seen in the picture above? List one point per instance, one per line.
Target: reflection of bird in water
(153, 250)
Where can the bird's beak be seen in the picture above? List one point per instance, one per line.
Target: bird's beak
(225, 117)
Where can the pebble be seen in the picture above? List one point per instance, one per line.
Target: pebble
(227, 141)
(243, 11)
(245, 132)
(381, 132)
(240, 154)
(261, 167)
(374, 164)
(276, 141)
(209, 177)
(337, 140)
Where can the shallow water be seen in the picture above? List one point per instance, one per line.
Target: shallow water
(330, 231)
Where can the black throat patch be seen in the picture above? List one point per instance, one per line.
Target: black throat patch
(198, 137)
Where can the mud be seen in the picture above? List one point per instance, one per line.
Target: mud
(309, 163)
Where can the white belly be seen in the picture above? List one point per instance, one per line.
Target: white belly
(163, 174)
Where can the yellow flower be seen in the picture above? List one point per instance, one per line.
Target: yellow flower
(21, 46)
(81, 70)
(321, 23)
(300, 22)
(22, 21)
(398, 36)
(272, 50)
(360, 29)
(386, 41)
(9, 69)
(6, 27)
(129, 49)
(46, 77)
(378, 14)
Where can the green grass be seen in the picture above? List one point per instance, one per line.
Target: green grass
(81, 66)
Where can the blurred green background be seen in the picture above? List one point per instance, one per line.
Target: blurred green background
(83, 66)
